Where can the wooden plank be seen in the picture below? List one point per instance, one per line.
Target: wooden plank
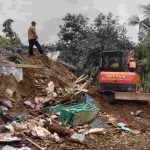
(83, 86)
(23, 66)
(28, 66)
(80, 80)
(132, 96)
(36, 145)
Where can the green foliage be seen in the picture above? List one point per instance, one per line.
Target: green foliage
(6, 42)
(142, 54)
(16, 40)
(11, 37)
(8, 29)
(111, 34)
(134, 20)
(82, 43)
(74, 28)
(94, 72)
(145, 10)
(144, 24)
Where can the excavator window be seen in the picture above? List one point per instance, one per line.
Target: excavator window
(112, 61)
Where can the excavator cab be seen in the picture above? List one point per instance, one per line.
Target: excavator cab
(112, 61)
(115, 75)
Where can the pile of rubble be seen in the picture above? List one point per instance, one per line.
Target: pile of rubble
(45, 106)
(41, 99)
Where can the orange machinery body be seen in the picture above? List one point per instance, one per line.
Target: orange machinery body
(119, 82)
(119, 78)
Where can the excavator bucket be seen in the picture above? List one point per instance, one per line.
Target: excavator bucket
(132, 96)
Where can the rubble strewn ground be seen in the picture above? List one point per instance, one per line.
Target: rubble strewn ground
(33, 86)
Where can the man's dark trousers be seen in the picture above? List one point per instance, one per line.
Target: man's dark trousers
(33, 42)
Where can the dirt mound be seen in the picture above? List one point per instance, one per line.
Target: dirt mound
(35, 82)
(8, 82)
(51, 71)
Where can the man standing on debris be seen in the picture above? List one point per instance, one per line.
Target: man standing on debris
(32, 37)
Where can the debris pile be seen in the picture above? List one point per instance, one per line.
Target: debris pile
(45, 106)
(44, 101)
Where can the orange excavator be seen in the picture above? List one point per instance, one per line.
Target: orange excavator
(118, 79)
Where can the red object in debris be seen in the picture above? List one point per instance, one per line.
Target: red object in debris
(118, 118)
(70, 132)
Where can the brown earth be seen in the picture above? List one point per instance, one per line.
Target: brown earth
(112, 139)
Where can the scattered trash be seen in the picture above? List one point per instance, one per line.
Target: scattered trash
(78, 114)
(56, 137)
(38, 103)
(94, 130)
(51, 87)
(9, 127)
(66, 91)
(17, 72)
(9, 93)
(20, 117)
(3, 109)
(7, 103)
(136, 113)
(68, 107)
(98, 124)
(7, 147)
(7, 139)
(40, 132)
(20, 127)
(124, 127)
(53, 55)
(28, 103)
(80, 137)
(89, 100)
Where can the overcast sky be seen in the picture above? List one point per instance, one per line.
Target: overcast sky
(48, 14)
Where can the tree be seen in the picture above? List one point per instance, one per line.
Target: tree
(74, 28)
(142, 52)
(146, 10)
(111, 33)
(142, 55)
(81, 43)
(10, 33)
(73, 36)
(144, 24)
(8, 28)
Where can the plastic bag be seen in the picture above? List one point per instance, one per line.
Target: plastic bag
(17, 72)
(53, 55)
